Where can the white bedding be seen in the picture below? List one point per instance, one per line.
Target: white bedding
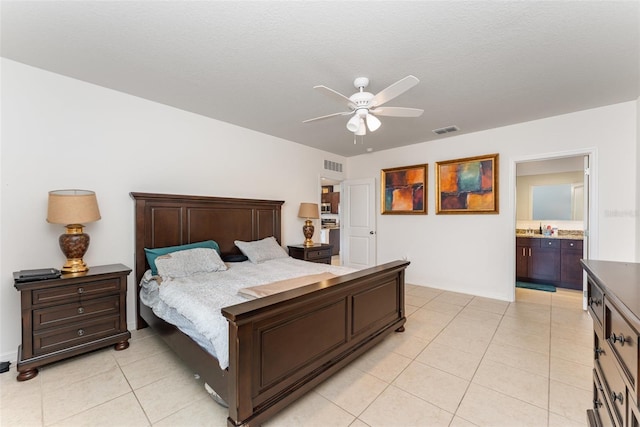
(199, 298)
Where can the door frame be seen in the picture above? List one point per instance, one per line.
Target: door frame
(590, 249)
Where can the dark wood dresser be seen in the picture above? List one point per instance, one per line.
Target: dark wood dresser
(71, 315)
(614, 303)
(320, 253)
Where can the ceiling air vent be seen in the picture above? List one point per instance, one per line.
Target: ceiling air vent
(332, 166)
(447, 129)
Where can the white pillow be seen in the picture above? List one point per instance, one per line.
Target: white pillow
(188, 262)
(262, 250)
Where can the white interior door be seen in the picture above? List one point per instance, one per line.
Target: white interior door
(358, 246)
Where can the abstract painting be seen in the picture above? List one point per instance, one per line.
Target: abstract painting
(404, 190)
(467, 186)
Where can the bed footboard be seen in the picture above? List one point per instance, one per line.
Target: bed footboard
(284, 345)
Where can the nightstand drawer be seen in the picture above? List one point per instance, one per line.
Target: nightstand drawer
(60, 338)
(318, 253)
(71, 293)
(77, 311)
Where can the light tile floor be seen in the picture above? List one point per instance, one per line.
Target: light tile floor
(462, 361)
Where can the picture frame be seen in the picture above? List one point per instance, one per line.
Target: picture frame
(468, 185)
(403, 190)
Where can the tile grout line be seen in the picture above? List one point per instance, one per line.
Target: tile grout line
(455, 414)
(135, 396)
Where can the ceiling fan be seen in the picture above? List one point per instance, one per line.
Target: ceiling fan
(364, 106)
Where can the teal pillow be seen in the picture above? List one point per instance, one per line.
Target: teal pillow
(154, 253)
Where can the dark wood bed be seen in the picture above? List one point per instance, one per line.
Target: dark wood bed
(280, 346)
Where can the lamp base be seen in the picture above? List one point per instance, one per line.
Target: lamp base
(74, 265)
(74, 244)
(307, 230)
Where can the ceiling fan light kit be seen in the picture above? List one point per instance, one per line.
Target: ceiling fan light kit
(364, 106)
(373, 123)
(354, 123)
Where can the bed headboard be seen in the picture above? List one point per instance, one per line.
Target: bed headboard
(170, 220)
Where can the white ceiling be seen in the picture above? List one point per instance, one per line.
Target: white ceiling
(254, 64)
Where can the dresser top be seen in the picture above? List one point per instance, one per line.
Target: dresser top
(620, 280)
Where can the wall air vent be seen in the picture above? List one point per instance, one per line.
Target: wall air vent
(447, 129)
(332, 166)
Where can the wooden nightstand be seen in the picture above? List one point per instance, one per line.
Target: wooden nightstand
(320, 253)
(71, 315)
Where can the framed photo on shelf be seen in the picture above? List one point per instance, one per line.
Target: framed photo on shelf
(467, 186)
(404, 190)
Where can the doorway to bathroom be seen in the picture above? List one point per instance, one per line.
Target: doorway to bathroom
(554, 220)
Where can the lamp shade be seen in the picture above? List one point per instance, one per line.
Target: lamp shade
(309, 210)
(72, 207)
(354, 123)
(373, 123)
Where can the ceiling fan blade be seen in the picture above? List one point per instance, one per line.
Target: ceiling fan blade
(398, 88)
(344, 113)
(397, 112)
(336, 96)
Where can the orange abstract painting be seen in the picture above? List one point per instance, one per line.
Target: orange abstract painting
(403, 190)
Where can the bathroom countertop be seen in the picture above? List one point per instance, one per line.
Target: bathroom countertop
(562, 236)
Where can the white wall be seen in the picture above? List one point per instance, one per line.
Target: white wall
(637, 212)
(475, 253)
(59, 132)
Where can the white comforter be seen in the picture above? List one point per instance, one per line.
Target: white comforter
(199, 298)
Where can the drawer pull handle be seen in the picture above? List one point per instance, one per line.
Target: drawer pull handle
(613, 338)
(81, 290)
(618, 396)
(570, 244)
(80, 332)
(80, 310)
(597, 403)
(598, 351)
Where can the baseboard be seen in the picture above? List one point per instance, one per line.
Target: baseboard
(11, 356)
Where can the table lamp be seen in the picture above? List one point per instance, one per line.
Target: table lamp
(308, 211)
(73, 208)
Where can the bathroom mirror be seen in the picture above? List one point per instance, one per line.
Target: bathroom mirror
(561, 202)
